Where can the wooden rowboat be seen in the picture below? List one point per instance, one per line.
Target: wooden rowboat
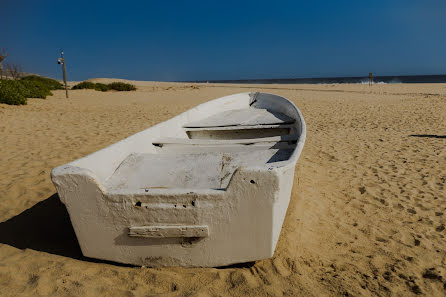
(209, 187)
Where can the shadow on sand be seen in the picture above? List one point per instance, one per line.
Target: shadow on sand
(45, 227)
(428, 136)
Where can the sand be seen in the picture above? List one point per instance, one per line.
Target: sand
(367, 214)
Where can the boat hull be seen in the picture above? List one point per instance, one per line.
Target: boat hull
(196, 226)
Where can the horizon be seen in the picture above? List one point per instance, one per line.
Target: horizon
(249, 79)
(208, 41)
(317, 77)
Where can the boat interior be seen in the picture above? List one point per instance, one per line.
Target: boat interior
(213, 148)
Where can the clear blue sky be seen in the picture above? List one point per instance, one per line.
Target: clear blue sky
(208, 40)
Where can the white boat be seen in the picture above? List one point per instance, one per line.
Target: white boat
(209, 187)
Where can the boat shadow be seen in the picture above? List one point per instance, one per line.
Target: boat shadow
(45, 227)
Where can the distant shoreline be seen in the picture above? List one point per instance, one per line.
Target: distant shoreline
(390, 79)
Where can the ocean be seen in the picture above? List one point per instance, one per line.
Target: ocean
(341, 80)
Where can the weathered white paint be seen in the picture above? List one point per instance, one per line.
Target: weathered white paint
(160, 198)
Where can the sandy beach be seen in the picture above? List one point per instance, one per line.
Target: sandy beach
(367, 214)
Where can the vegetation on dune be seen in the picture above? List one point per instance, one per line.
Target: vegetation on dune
(117, 86)
(16, 92)
(91, 86)
(50, 84)
(120, 86)
(12, 92)
(101, 87)
(34, 89)
(84, 85)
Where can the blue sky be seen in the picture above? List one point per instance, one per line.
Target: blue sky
(209, 40)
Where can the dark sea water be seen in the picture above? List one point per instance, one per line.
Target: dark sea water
(342, 80)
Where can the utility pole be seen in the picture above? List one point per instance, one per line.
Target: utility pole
(61, 60)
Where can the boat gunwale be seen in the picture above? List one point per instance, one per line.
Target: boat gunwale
(100, 181)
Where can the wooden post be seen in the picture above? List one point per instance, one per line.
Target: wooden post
(65, 77)
(370, 78)
(61, 60)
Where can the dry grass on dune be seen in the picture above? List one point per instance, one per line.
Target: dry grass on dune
(366, 217)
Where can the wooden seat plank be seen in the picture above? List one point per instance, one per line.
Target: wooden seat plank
(242, 117)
